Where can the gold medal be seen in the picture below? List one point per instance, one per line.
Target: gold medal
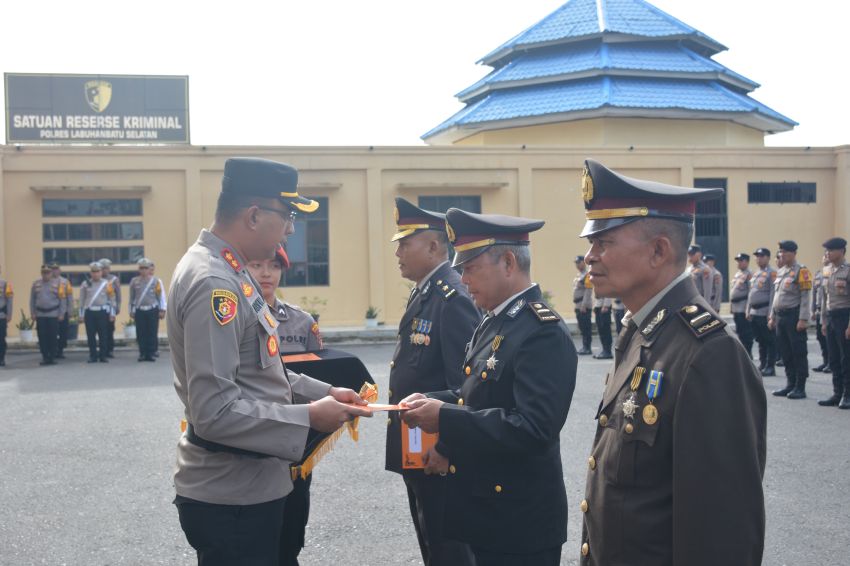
(650, 414)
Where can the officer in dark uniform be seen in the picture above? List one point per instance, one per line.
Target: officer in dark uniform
(675, 472)
(437, 323)
(499, 433)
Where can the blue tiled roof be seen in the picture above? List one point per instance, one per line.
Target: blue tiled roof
(652, 57)
(580, 19)
(601, 92)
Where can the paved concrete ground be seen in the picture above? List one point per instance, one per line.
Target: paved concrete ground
(87, 453)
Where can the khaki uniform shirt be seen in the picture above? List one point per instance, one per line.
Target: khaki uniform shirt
(739, 291)
(716, 289)
(97, 296)
(229, 376)
(601, 303)
(47, 298)
(146, 294)
(793, 288)
(703, 279)
(582, 290)
(761, 292)
(6, 300)
(298, 331)
(116, 288)
(836, 289)
(69, 293)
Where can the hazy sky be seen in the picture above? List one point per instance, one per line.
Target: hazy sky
(378, 72)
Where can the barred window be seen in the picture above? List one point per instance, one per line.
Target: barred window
(308, 249)
(93, 231)
(469, 203)
(785, 192)
(91, 207)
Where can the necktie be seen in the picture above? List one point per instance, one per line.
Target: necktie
(623, 341)
(413, 293)
(487, 318)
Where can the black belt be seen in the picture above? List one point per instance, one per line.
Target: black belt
(578, 301)
(738, 300)
(834, 312)
(216, 447)
(51, 309)
(758, 306)
(783, 312)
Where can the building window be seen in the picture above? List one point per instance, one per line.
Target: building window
(77, 277)
(101, 231)
(84, 256)
(443, 203)
(308, 248)
(91, 207)
(785, 192)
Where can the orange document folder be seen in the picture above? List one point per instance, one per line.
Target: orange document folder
(415, 442)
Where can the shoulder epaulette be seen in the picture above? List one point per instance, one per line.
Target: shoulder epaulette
(804, 279)
(587, 283)
(700, 320)
(543, 312)
(293, 307)
(446, 290)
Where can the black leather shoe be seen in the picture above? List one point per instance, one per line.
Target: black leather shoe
(603, 355)
(60, 356)
(845, 402)
(149, 359)
(109, 355)
(47, 363)
(780, 364)
(784, 391)
(584, 352)
(797, 393)
(762, 365)
(141, 359)
(831, 402)
(103, 361)
(156, 354)
(768, 372)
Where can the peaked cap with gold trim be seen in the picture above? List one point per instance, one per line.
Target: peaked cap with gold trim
(612, 200)
(265, 178)
(411, 219)
(472, 234)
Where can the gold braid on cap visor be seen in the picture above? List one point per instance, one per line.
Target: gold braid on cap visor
(311, 206)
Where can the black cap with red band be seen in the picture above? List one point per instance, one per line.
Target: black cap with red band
(472, 234)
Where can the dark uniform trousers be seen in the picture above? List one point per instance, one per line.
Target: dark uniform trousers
(585, 326)
(548, 557)
(295, 517)
(110, 336)
(744, 330)
(97, 331)
(3, 323)
(766, 339)
(443, 312)
(792, 346)
(47, 328)
(62, 336)
(839, 350)
(822, 341)
(603, 327)
(147, 323)
(232, 535)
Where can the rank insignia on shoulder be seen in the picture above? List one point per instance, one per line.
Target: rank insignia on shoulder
(516, 308)
(654, 323)
(699, 320)
(224, 305)
(231, 259)
(805, 279)
(271, 320)
(447, 291)
(271, 345)
(543, 312)
(247, 289)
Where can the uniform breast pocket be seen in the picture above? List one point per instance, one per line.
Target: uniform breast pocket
(488, 370)
(633, 458)
(841, 286)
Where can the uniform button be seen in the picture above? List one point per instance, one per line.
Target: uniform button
(591, 463)
(389, 420)
(629, 428)
(603, 420)
(467, 370)
(584, 506)
(460, 401)
(389, 393)
(392, 364)
(439, 282)
(498, 489)
(483, 375)
(585, 549)
(452, 469)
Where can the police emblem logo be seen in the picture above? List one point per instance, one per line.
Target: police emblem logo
(450, 232)
(98, 94)
(586, 186)
(247, 289)
(271, 345)
(224, 305)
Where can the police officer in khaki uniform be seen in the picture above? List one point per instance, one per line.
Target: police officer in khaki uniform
(97, 309)
(738, 294)
(789, 315)
(436, 325)
(602, 310)
(835, 309)
(115, 282)
(146, 308)
(700, 272)
(244, 429)
(758, 308)
(716, 282)
(47, 308)
(675, 472)
(817, 298)
(7, 296)
(499, 433)
(583, 302)
(62, 339)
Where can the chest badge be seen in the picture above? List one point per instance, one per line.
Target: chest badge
(630, 406)
(492, 361)
(271, 345)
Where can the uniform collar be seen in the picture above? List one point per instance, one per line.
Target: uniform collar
(496, 311)
(428, 277)
(217, 245)
(649, 307)
(280, 310)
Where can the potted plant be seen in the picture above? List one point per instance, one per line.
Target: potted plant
(372, 317)
(312, 304)
(73, 325)
(130, 329)
(25, 327)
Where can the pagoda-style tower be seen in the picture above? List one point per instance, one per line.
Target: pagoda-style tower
(609, 73)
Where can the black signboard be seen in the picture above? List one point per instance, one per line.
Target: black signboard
(114, 109)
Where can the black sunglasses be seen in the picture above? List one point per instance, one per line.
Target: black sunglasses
(286, 215)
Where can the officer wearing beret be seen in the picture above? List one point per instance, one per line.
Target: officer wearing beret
(115, 282)
(789, 316)
(740, 290)
(700, 272)
(47, 308)
(243, 428)
(499, 433)
(758, 307)
(437, 322)
(835, 307)
(147, 307)
(583, 302)
(97, 310)
(716, 282)
(62, 338)
(675, 472)
(7, 296)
